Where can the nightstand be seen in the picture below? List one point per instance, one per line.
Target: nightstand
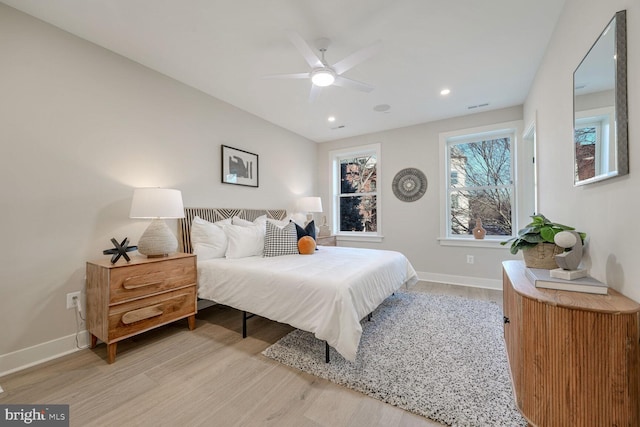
(326, 241)
(128, 298)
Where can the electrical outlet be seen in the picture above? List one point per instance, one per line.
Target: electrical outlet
(71, 303)
(469, 259)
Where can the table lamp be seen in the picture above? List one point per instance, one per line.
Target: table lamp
(158, 204)
(309, 205)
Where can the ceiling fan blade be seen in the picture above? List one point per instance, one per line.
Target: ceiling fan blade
(309, 55)
(352, 84)
(315, 91)
(357, 57)
(287, 76)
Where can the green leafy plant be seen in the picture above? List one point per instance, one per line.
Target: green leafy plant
(540, 230)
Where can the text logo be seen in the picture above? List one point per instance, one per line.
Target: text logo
(34, 415)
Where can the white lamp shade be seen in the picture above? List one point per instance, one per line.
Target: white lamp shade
(310, 204)
(156, 203)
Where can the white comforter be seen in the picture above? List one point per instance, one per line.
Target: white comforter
(326, 293)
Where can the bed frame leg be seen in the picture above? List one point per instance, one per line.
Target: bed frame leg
(244, 324)
(245, 316)
(326, 352)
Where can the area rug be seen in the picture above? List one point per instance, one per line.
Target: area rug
(439, 356)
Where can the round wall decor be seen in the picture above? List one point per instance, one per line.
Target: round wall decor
(409, 184)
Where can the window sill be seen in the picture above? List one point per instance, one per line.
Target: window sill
(358, 238)
(493, 243)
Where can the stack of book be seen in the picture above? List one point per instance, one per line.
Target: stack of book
(541, 278)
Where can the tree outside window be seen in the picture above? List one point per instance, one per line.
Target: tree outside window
(585, 145)
(480, 185)
(358, 193)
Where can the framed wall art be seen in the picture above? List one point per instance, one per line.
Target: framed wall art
(239, 167)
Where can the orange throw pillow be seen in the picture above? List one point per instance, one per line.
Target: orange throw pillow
(306, 245)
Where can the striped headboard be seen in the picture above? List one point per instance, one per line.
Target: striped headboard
(215, 214)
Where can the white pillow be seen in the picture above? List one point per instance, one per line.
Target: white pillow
(261, 220)
(243, 222)
(208, 239)
(244, 241)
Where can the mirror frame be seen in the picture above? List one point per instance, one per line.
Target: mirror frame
(621, 113)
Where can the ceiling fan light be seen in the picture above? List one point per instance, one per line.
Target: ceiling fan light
(323, 78)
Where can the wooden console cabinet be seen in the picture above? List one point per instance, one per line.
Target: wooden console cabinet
(574, 357)
(128, 298)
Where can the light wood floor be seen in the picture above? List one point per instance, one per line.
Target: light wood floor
(206, 377)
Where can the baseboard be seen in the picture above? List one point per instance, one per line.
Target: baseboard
(39, 353)
(25, 358)
(474, 282)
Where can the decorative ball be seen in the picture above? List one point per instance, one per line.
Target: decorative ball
(306, 245)
(565, 239)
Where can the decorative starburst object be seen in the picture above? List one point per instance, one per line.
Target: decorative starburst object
(120, 250)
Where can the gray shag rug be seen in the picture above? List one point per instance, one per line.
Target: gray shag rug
(439, 356)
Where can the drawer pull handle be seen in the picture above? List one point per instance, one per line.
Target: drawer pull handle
(134, 283)
(142, 314)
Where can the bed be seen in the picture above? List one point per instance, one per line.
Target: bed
(326, 293)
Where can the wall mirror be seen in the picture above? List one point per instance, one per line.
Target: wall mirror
(600, 107)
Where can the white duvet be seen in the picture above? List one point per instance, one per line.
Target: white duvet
(326, 293)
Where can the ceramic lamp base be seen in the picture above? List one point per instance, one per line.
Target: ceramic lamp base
(309, 219)
(157, 240)
(324, 229)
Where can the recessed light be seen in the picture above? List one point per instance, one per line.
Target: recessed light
(331, 119)
(445, 92)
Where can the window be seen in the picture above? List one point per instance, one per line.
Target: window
(591, 137)
(479, 171)
(356, 200)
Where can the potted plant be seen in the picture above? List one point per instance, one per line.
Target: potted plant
(537, 244)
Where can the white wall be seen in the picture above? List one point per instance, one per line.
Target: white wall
(80, 127)
(413, 228)
(606, 211)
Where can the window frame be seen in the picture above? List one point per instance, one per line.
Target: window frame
(600, 119)
(334, 160)
(606, 154)
(597, 125)
(518, 167)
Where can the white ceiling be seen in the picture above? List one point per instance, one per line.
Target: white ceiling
(484, 51)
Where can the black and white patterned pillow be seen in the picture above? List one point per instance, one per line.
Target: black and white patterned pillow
(280, 241)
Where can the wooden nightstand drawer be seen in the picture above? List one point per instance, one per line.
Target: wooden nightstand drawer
(125, 299)
(146, 279)
(140, 315)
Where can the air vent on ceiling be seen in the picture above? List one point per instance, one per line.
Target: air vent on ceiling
(337, 127)
(471, 107)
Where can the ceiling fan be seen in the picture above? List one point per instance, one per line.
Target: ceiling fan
(322, 74)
